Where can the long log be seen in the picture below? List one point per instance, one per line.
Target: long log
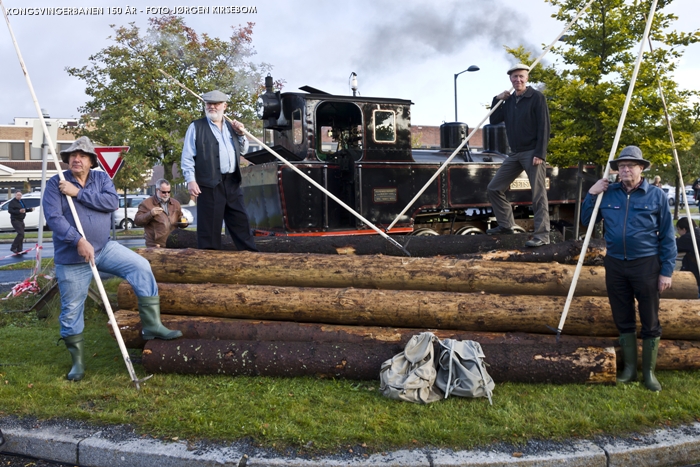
(563, 363)
(673, 354)
(512, 246)
(588, 316)
(384, 272)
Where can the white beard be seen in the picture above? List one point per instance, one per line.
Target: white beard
(215, 115)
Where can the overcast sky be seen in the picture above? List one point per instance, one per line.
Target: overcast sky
(399, 48)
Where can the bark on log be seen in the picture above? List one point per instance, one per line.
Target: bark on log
(673, 354)
(588, 316)
(562, 363)
(384, 272)
(443, 245)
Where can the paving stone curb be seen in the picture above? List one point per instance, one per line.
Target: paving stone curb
(89, 448)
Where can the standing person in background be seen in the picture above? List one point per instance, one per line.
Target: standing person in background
(159, 215)
(210, 164)
(640, 257)
(526, 116)
(696, 187)
(18, 211)
(657, 181)
(684, 244)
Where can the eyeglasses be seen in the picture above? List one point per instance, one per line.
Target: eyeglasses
(627, 166)
(165, 192)
(213, 104)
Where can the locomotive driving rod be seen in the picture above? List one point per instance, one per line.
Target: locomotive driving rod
(476, 128)
(78, 225)
(302, 174)
(613, 150)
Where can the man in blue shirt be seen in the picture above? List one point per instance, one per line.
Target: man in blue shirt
(94, 198)
(640, 257)
(210, 164)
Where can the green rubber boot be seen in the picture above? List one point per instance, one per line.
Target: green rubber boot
(650, 349)
(74, 344)
(151, 327)
(628, 342)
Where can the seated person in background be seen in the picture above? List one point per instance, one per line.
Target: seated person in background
(684, 243)
(159, 215)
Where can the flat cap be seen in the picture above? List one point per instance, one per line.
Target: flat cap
(519, 66)
(82, 144)
(215, 96)
(632, 154)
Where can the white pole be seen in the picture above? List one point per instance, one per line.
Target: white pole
(302, 174)
(684, 197)
(613, 151)
(95, 272)
(459, 148)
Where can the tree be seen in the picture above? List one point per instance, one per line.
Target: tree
(586, 94)
(132, 103)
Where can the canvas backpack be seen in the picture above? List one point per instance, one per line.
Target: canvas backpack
(410, 375)
(462, 371)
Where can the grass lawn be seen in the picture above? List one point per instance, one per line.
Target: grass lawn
(310, 414)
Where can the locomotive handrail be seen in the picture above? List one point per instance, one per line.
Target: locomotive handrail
(456, 151)
(613, 151)
(302, 174)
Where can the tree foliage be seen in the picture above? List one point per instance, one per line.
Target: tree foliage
(587, 85)
(132, 103)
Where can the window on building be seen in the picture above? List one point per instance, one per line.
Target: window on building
(35, 153)
(17, 151)
(4, 151)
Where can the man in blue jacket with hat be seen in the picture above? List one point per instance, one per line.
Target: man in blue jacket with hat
(640, 257)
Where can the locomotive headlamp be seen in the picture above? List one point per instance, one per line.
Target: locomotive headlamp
(268, 105)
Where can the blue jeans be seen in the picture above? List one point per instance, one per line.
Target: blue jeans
(74, 281)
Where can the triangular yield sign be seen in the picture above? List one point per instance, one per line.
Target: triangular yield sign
(110, 158)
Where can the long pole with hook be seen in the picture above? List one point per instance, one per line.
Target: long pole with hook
(302, 174)
(476, 128)
(677, 161)
(613, 151)
(78, 225)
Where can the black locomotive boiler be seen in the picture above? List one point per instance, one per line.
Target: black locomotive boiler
(359, 149)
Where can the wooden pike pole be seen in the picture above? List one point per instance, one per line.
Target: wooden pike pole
(613, 151)
(678, 163)
(302, 174)
(78, 225)
(459, 148)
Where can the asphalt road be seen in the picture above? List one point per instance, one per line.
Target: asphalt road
(17, 461)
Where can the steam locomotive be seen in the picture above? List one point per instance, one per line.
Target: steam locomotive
(359, 149)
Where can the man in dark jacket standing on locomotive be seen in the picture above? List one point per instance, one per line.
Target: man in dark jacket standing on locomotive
(640, 257)
(526, 116)
(18, 211)
(211, 166)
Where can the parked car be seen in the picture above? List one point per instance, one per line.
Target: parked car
(132, 207)
(31, 200)
(671, 195)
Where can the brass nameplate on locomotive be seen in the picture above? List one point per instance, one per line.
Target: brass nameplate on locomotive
(524, 184)
(384, 195)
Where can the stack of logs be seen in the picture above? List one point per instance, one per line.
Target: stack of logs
(342, 315)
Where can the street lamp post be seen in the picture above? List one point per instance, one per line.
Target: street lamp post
(471, 68)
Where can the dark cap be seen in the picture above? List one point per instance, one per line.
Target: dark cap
(82, 144)
(632, 154)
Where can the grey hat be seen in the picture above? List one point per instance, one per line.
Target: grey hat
(82, 144)
(519, 66)
(215, 96)
(633, 154)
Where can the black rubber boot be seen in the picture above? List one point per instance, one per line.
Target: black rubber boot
(151, 327)
(75, 347)
(628, 343)
(650, 350)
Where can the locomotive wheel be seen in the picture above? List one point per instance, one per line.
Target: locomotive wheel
(425, 231)
(469, 230)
